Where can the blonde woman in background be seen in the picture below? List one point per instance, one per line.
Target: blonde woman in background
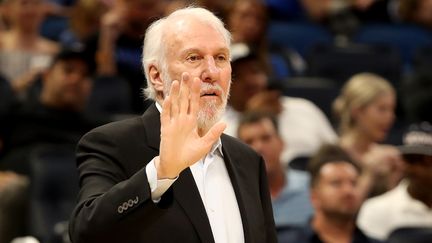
(365, 109)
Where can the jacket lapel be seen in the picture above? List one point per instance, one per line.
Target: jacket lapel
(187, 195)
(233, 171)
(185, 190)
(152, 125)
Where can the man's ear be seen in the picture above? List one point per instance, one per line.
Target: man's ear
(314, 198)
(156, 79)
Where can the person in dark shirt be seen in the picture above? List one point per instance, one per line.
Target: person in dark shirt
(52, 112)
(336, 198)
(118, 45)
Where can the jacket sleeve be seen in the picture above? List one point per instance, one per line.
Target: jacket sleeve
(109, 198)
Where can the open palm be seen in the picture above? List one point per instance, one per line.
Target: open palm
(181, 145)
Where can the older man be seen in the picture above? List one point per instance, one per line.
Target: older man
(169, 175)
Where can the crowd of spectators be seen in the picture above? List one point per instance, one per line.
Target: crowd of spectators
(67, 66)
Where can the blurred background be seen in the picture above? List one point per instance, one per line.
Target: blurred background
(355, 73)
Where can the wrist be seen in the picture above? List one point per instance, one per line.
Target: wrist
(162, 172)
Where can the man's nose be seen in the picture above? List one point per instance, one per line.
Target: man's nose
(210, 71)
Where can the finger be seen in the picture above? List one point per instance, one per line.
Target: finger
(166, 111)
(184, 93)
(174, 94)
(195, 96)
(214, 133)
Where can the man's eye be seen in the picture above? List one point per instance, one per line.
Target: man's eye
(193, 58)
(221, 58)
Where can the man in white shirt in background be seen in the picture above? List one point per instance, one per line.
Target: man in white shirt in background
(410, 203)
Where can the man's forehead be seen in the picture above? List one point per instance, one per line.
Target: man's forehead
(337, 167)
(192, 42)
(189, 27)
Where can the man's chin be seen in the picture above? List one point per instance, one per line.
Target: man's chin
(208, 116)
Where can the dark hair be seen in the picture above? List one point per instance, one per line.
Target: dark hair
(254, 117)
(82, 54)
(328, 153)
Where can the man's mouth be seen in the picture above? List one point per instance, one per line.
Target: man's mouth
(210, 93)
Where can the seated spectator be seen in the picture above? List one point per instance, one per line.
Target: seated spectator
(84, 20)
(289, 189)
(410, 203)
(23, 51)
(365, 110)
(248, 22)
(54, 114)
(336, 198)
(118, 44)
(303, 126)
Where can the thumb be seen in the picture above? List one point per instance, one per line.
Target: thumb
(214, 133)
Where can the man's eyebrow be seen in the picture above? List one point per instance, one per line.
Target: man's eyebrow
(197, 50)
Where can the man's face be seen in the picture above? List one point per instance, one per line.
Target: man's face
(67, 84)
(419, 170)
(263, 138)
(336, 192)
(200, 50)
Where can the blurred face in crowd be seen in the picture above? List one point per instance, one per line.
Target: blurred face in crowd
(67, 85)
(336, 191)
(249, 80)
(418, 170)
(376, 119)
(247, 21)
(25, 14)
(199, 49)
(263, 138)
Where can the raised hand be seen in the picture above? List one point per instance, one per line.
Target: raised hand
(181, 146)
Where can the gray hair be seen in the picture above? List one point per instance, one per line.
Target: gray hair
(154, 49)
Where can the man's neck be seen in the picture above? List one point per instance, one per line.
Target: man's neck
(333, 229)
(277, 181)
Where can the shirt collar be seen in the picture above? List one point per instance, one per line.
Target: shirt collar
(217, 147)
(159, 107)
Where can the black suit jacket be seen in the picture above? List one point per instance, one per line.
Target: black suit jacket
(115, 200)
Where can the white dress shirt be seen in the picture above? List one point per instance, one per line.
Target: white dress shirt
(216, 191)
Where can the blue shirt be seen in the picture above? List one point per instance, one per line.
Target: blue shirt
(292, 206)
